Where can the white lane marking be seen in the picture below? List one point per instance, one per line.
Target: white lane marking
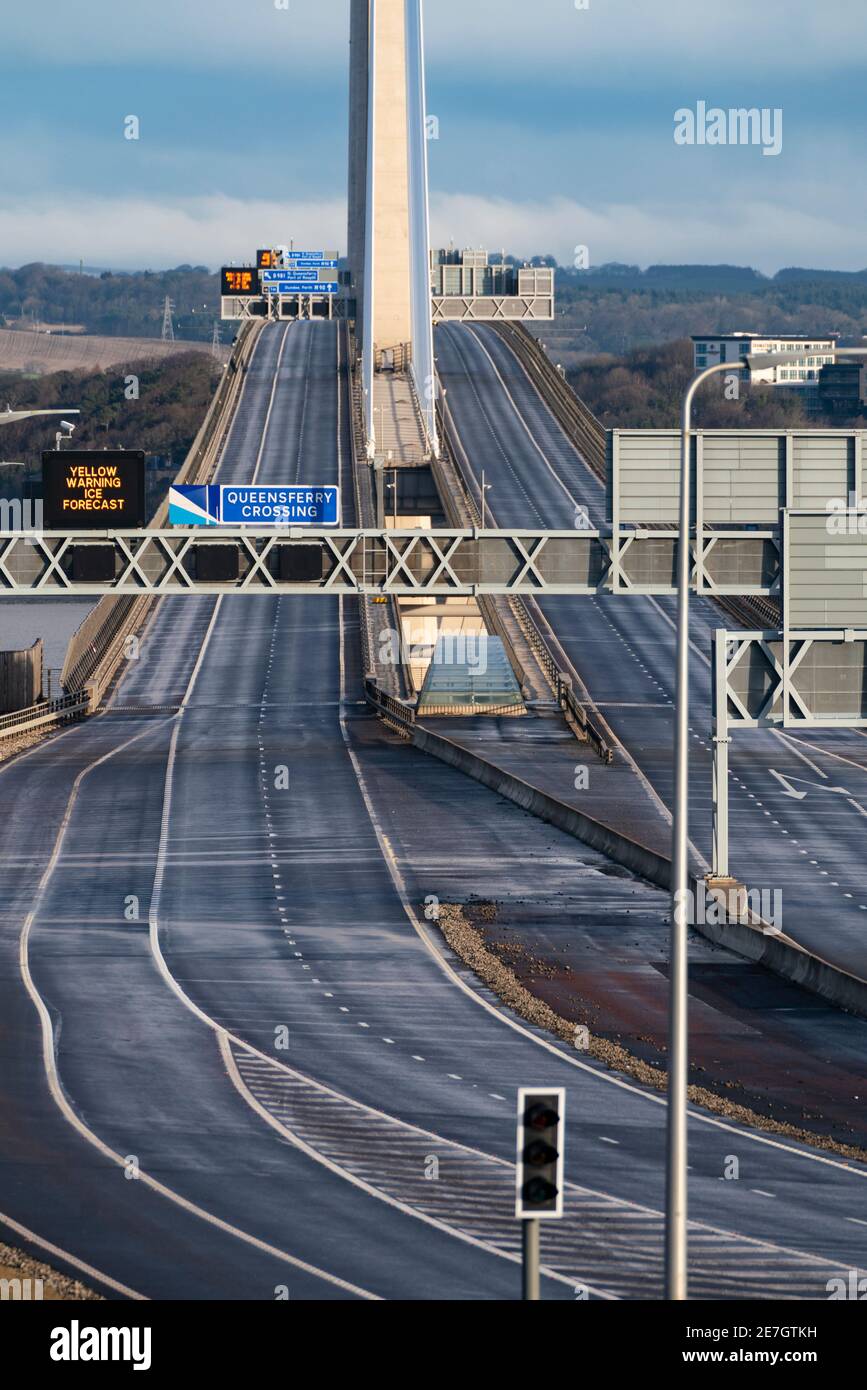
(799, 796)
(53, 1076)
(267, 421)
(826, 753)
(48, 1042)
(520, 418)
(792, 745)
(92, 1273)
(700, 1117)
(225, 1037)
(650, 789)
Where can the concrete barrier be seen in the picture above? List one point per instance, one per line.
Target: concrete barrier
(775, 951)
(644, 862)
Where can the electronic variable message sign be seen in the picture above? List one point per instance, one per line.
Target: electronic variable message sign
(239, 280)
(93, 490)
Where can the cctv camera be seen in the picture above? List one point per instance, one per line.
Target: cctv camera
(67, 425)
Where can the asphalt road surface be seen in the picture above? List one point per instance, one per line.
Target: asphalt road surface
(236, 1056)
(799, 834)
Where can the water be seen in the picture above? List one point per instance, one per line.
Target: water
(22, 620)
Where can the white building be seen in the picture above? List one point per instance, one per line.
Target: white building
(813, 353)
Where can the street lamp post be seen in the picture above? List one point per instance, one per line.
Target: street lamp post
(676, 1175)
(678, 1035)
(485, 489)
(14, 417)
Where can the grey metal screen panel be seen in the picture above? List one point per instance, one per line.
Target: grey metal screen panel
(744, 478)
(832, 680)
(823, 468)
(653, 564)
(743, 474)
(648, 475)
(824, 571)
(742, 563)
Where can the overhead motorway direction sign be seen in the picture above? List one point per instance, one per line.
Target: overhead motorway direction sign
(303, 287)
(299, 257)
(211, 505)
(274, 277)
(85, 489)
(298, 280)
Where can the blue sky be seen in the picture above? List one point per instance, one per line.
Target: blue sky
(555, 129)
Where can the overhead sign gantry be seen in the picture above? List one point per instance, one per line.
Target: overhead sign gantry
(284, 283)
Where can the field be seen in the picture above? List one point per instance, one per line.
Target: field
(43, 353)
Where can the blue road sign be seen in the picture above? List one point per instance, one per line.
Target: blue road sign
(212, 505)
(291, 273)
(311, 264)
(303, 287)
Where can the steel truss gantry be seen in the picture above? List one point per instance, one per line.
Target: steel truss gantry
(781, 680)
(366, 561)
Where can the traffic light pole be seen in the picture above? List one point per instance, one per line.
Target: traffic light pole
(530, 1248)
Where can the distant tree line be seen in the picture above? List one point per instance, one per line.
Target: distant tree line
(644, 390)
(154, 406)
(113, 303)
(612, 308)
(617, 308)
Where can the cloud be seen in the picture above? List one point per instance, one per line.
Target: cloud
(748, 232)
(135, 233)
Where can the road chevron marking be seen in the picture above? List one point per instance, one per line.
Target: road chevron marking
(355, 1179)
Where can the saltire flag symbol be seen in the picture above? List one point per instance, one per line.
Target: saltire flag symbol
(196, 505)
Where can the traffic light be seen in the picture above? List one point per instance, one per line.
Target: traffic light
(540, 1153)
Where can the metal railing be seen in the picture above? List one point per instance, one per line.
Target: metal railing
(577, 419)
(461, 510)
(455, 493)
(399, 716)
(46, 712)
